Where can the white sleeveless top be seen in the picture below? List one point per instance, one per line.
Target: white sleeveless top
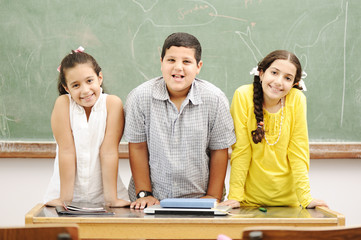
(88, 137)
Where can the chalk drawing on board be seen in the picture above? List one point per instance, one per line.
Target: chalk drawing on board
(246, 2)
(228, 17)
(185, 12)
(143, 3)
(344, 64)
(247, 40)
(4, 127)
(297, 46)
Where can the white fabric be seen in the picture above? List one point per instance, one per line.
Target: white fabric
(88, 137)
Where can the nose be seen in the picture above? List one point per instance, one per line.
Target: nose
(278, 79)
(178, 65)
(85, 89)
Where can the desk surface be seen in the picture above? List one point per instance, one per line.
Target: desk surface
(135, 224)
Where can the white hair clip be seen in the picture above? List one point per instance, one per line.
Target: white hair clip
(301, 83)
(79, 49)
(254, 71)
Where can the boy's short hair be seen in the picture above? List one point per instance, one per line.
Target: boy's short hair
(181, 39)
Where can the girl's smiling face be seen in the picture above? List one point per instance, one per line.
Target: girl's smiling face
(277, 80)
(83, 85)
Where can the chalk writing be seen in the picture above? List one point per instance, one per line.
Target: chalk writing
(182, 13)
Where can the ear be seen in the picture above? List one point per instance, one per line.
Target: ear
(100, 78)
(161, 63)
(199, 66)
(66, 88)
(261, 73)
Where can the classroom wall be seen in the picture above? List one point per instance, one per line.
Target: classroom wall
(23, 183)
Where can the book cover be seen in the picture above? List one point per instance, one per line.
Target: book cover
(188, 203)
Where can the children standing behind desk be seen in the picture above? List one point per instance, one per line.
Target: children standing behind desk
(179, 129)
(270, 160)
(87, 125)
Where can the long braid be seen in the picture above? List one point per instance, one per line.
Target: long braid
(258, 133)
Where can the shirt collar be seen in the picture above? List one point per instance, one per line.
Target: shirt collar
(160, 91)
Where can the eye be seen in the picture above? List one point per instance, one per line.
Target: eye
(273, 72)
(289, 79)
(170, 60)
(90, 80)
(75, 85)
(187, 62)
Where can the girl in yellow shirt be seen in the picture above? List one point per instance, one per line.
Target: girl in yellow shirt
(270, 160)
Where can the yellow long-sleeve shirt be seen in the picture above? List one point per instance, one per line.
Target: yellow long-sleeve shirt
(270, 175)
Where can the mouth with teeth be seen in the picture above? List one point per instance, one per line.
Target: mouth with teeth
(87, 98)
(177, 77)
(274, 89)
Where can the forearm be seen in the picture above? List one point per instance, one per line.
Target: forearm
(217, 173)
(67, 169)
(139, 164)
(109, 160)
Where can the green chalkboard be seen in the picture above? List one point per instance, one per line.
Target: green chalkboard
(125, 36)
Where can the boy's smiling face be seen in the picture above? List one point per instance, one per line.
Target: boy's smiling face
(179, 68)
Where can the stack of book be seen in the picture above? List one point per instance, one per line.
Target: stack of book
(82, 209)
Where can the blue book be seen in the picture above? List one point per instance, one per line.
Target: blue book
(188, 203)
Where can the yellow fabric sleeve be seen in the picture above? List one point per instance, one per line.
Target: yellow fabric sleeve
(241, 150)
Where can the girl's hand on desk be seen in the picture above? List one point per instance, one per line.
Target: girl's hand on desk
(119, 203)
(54, 203)
(317, 202)
(231, 202)
(143, 202)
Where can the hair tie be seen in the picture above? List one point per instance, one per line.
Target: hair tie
(260, 125)
(254, 71)
(301, 82)
(79, 49)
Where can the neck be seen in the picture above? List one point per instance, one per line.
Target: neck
(273, 106)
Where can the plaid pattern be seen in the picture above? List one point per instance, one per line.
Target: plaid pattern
(179, 142)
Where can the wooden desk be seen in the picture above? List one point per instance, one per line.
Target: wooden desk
(134, 224)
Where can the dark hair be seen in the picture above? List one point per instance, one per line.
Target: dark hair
(258, 133)
(70, 61)
(182, 39)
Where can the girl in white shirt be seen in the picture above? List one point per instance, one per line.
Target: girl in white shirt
(87, 125)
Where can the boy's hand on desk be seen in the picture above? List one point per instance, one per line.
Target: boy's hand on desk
(232, 203)
(119, 203)
(209, 196)
(143, 202)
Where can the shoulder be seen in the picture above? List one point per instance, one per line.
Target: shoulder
(113, 101)
(146, 87)
(61, 110)
(209, 91)
(245, 89)
(244, 92)
(62, 101)
(207, 87)
(296, 96)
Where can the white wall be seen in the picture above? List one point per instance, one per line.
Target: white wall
(24, 181)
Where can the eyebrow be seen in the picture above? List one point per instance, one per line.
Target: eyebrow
(188, 58)
(77, 81)
(281, 71)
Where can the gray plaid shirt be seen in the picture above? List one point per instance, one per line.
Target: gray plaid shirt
(179, 142)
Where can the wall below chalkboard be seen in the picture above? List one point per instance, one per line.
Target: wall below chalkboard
(47, 150)
(126, 37)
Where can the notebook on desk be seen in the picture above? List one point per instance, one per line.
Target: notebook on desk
(217, 211)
